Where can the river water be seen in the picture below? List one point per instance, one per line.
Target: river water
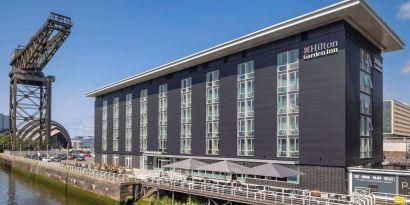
(17, 189)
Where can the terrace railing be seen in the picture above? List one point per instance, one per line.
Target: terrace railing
(254, 195)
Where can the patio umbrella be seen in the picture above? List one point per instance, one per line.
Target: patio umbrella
(226, 167)
(186, 164)
(274, 170)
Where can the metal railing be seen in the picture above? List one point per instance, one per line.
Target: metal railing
(386, 198)
(83, 171)
(256, 194)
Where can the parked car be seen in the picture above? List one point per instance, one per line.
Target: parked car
(62, 156)
(70, 157)
(46, 159)
(79, 157)
(55, 159)
(35, 157)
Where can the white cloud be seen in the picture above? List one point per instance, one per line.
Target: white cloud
(404, 11)
(406, 68)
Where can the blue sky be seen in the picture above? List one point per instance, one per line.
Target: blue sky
(111, 40)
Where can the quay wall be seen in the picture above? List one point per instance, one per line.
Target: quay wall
(102, 191)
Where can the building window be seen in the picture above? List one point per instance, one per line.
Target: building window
(293, 81)
(104, 159)
(115, 160)
(245, 109)
(143, 119)
(162, 118)
(288, 104)
(128, 122)
(366, 84)
(366, 63)
(293, 103)
(365, 148)
(282, 104)
(104, 127)
(143, 162)
(282, 150)
(366, 93)
(293, 125)
(365, 104)
(115, 130)
(366, 126)
(294, 179)
(212, 112)
(128, 161)
(186, 92)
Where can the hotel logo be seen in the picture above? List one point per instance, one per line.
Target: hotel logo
(320, 49)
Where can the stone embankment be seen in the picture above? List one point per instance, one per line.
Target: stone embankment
(93, 183)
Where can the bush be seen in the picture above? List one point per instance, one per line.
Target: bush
(128, 201)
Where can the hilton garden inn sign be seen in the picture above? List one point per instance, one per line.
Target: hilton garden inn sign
(320, 49)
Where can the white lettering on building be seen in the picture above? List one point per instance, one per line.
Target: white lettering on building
(320, 49)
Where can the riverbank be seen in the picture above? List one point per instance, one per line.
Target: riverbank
(72, 191)
(86, 188)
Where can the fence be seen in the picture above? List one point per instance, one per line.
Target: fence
(94, 173)
(52, 152)
(390, 199)
(267, 195)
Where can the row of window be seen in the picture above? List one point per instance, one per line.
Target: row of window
(245, 109)
(104, 127)
(162, 117)
(116, 160)
(115, 134)
(186, 116)
(128, 122)
(287, 111)
(212, 113)
(288, 104)
(366, 93)
(143, 120)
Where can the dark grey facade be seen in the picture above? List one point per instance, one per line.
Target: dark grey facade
(329, 103)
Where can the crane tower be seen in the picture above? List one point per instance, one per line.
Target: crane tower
(30, 89)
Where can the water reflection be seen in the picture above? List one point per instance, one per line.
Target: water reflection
(16, 189)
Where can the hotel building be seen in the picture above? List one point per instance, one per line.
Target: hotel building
(306, 93)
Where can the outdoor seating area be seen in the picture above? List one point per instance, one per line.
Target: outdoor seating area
(242, 192)
(223, 171)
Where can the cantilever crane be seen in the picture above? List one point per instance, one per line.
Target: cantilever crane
(30, 89)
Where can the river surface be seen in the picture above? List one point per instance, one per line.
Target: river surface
(22, 190)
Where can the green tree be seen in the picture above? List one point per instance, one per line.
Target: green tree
(4, 141)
